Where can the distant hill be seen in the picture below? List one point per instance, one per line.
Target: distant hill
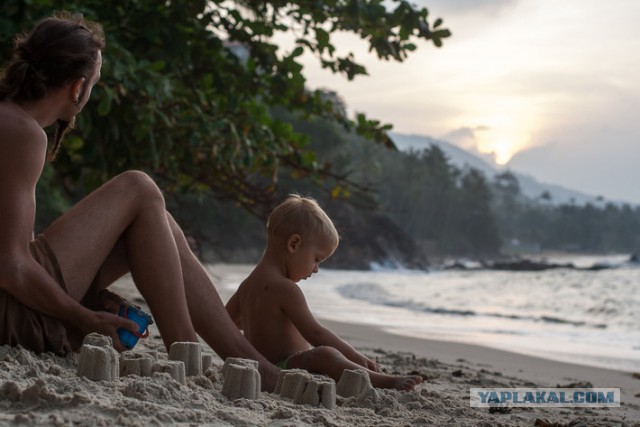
(463, 160)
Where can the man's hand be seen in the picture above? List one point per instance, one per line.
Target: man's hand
(107, 324)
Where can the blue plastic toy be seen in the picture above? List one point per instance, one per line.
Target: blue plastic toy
(130, 339)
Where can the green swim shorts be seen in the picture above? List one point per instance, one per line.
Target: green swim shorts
(282, 364)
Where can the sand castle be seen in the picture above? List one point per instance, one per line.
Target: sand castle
(98, 360)
(304, 388)
(207, 362)
(238, 361)
(175, 368)
(133, 363)
(353, 382)
(190, 353)
(241, 378)
(289, 380)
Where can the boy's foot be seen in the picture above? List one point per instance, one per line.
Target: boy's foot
(406, 383)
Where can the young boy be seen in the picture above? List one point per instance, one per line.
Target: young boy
(272, 310)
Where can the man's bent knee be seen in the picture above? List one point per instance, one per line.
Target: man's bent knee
(141, 186)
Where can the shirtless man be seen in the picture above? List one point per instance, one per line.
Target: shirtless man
(48, 284)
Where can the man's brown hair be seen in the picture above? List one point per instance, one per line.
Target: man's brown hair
(58, 50)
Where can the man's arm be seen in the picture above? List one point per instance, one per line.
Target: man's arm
(22, 151)
(295, 306)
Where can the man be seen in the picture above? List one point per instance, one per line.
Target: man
(50, 287)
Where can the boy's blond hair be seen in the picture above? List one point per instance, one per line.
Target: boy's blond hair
(301, 215)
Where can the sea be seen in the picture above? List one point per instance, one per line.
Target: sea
(577, 315)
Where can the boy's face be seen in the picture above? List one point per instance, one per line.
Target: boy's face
(305, 257)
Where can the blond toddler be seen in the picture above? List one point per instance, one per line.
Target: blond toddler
(272, 311)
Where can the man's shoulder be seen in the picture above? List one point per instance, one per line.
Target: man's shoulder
(23, 148)
(18, 126)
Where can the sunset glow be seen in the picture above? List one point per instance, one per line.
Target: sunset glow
(517, 77)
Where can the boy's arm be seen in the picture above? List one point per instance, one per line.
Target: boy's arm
(233, 308)
(295, 306)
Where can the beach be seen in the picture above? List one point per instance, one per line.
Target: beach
(45, 390)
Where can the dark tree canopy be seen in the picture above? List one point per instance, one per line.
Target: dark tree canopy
(188, 88)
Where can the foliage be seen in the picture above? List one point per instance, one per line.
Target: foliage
(187, 87)
(602, 228)
(432, 207)
(447, 211)
(419, 207)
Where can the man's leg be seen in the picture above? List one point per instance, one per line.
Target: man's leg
(209, 315)
(127, 213)
(123, 227)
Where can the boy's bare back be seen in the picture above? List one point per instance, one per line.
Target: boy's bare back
(262, 307)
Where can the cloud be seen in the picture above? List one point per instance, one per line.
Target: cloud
(466, 138)
(463, 137)
(595, 161)
(467, 7)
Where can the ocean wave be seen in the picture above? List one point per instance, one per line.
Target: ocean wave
(376, 294)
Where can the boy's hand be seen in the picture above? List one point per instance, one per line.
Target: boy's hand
(363, 360)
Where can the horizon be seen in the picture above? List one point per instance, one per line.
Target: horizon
(543, 88)
(531, 186)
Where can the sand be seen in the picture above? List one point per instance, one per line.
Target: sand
(45, 389)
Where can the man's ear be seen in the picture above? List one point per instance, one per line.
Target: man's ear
(293, 242)
(77, 90)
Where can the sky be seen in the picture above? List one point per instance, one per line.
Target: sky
(544, 87)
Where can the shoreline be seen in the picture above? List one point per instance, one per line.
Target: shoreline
(521, 368)
(448, 351)
(544, 372)
(604, 362)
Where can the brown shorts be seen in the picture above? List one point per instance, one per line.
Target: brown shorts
(20, 325)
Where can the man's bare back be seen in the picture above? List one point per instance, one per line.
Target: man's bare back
(23, 148)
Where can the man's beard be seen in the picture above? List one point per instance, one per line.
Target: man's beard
(62, 128)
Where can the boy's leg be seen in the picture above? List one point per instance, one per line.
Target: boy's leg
(329, 361)
(127, 214)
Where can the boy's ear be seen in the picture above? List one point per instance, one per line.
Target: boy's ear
(293, 242)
